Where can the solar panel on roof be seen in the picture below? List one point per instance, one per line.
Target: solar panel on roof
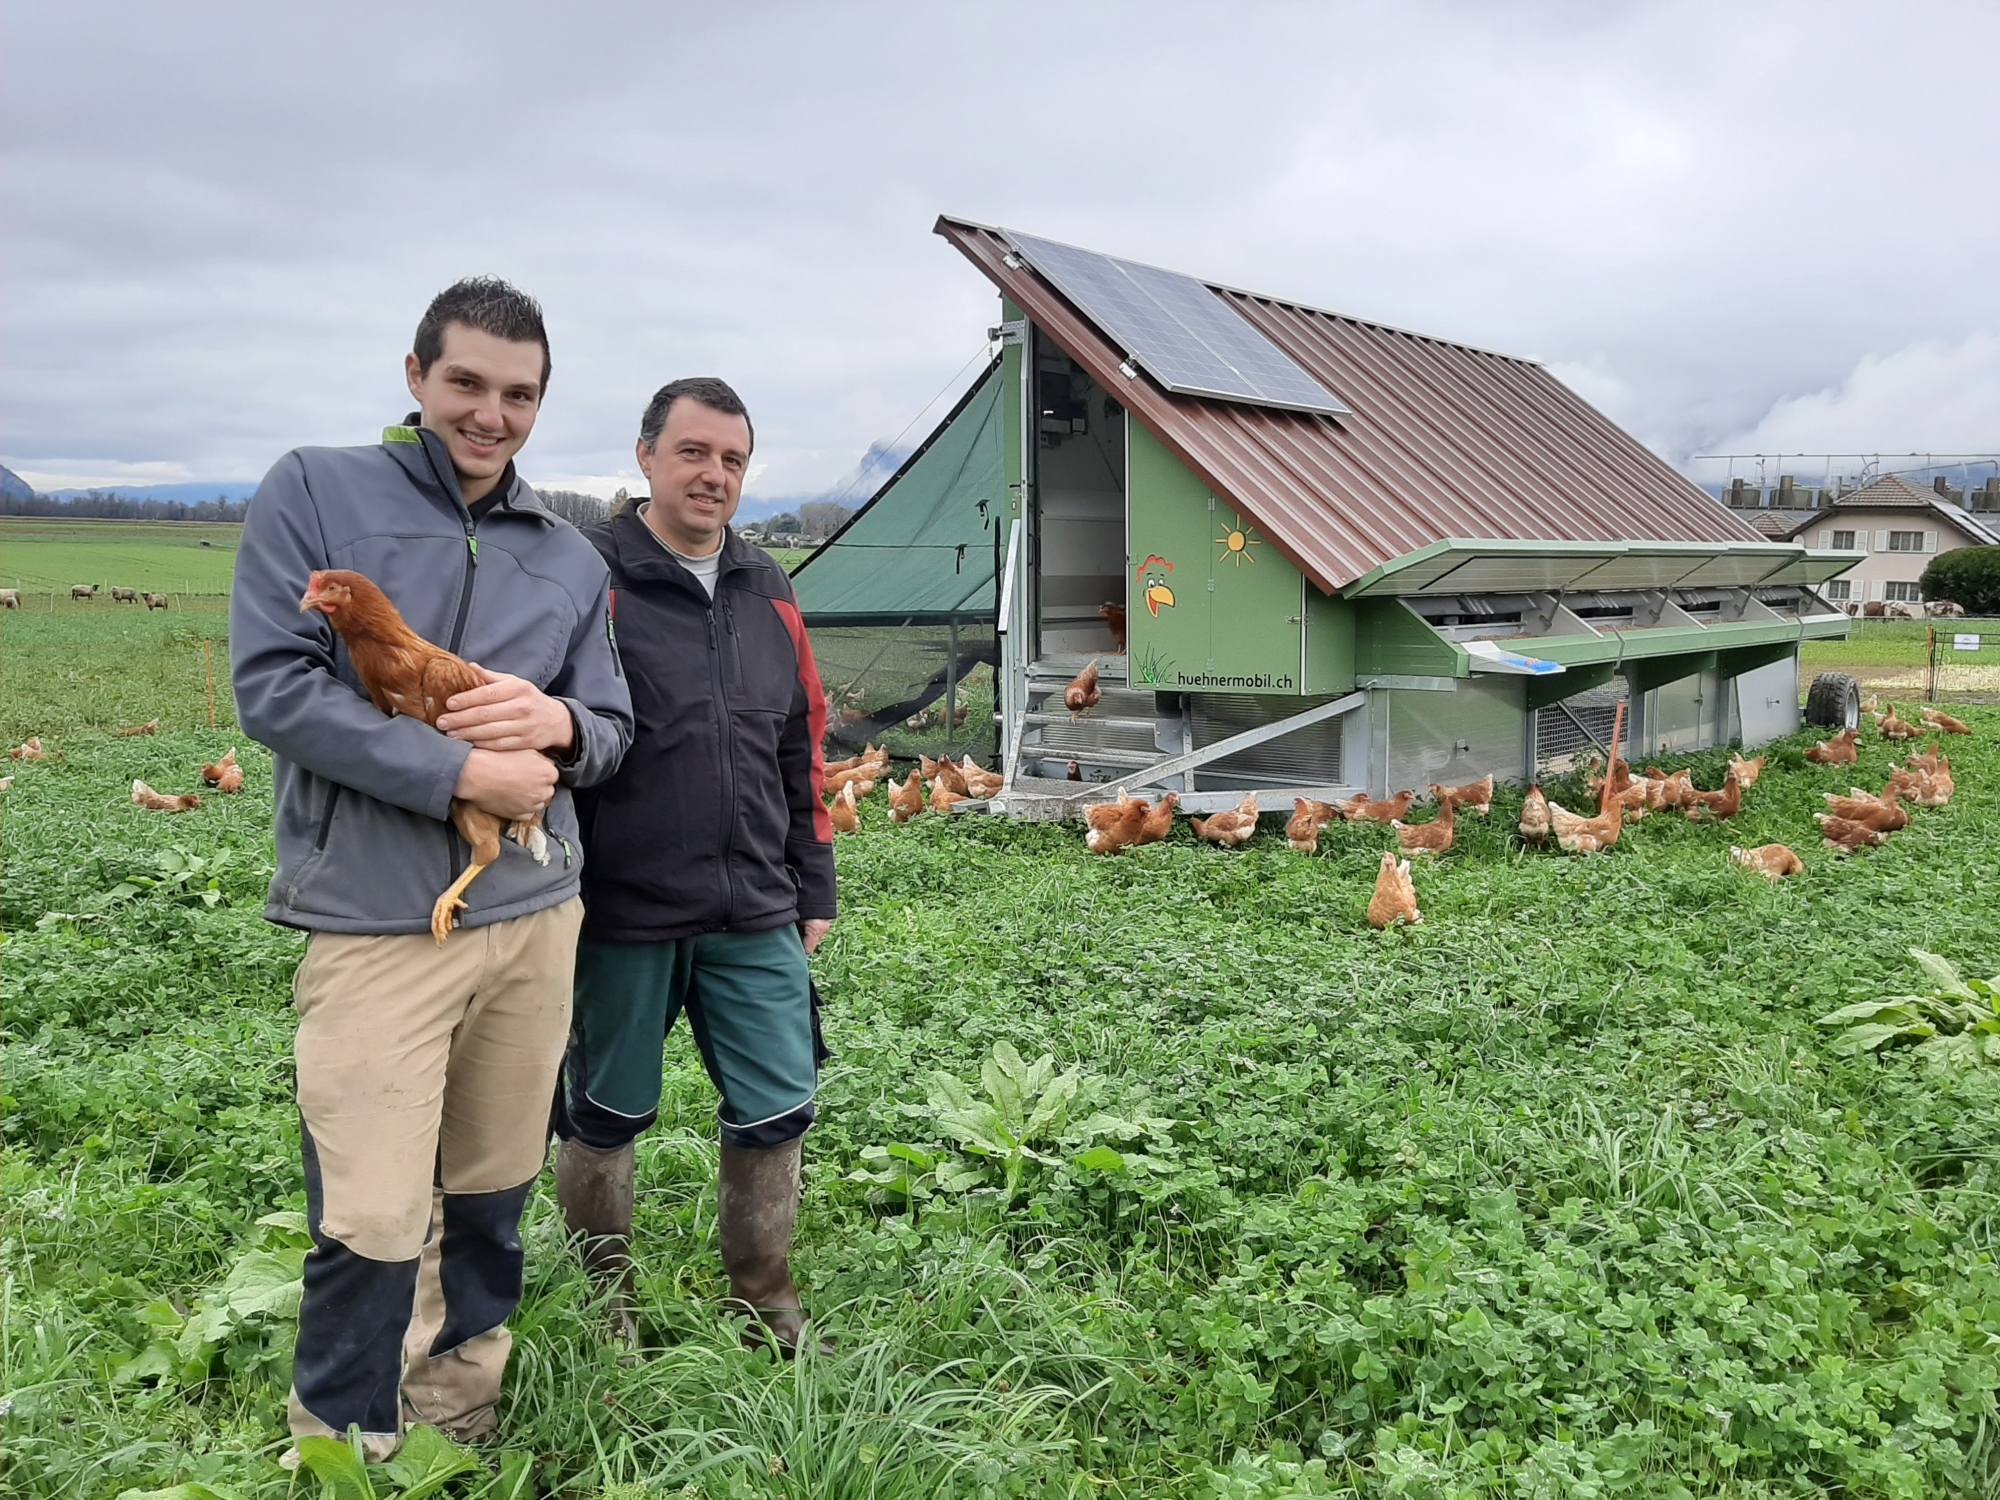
(1184, 335)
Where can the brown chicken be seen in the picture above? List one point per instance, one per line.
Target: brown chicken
(1923, 760)
(1726, 803)
(907, 800)
(862, 777)
(1119, 831)
(979, 781)
(1773, 861)
(1082, 695)
(405, 674)
(1395, 898)
(1230, 829)
(32, 750)
(1634, 802)
(1847, 836)
(943, 798)
(1885, 813)
(1576, 834)
(1477, 795)
(1159, 822)
(869, 756)
(1535, 816)
(1114, 621)
(225, 775)
(1838, 751)
(1941, 785)
(844, 812)
(1747, 772)
(1935, 719)
(1893, 728)
(1361, 808)
(1434, 837)
(144, 796)
(151, 726)
(1104, 814)
(1309, 819)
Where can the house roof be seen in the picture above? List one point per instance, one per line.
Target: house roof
(1442, 441)
(1779, 524)
(1892, 491)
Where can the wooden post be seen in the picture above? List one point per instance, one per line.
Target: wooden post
(208, 652)
(1930, 668)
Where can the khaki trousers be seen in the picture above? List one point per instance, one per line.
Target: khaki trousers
(425, 1075)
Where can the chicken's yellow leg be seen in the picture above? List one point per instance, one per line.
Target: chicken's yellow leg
(444, 915)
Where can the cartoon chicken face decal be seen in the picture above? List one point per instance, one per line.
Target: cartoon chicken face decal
(1152, 577)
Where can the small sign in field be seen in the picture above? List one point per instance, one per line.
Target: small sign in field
(1965, 643)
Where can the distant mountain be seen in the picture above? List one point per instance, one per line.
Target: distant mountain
(13, 486)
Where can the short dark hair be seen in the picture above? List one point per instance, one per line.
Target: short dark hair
(710, 392)
(489, 305)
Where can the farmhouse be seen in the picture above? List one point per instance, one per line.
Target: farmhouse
(1309, 554)
(1900, 528)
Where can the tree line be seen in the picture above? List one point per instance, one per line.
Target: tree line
(107, 505)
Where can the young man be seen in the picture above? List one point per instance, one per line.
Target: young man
(711, 864)
(424, 1069)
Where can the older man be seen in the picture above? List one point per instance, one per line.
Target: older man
(710, 873)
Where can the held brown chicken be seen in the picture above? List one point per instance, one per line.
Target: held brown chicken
(1773, 861)
(1535, 823)
(1838, 751)
(844, 812)
(1083, 694)
(1160, 821)
(225, 775)
(405, 674)
(1114, 621)
(1361, 808)
(144, 796)
(1395, 898)
(1229, 829)
(1847, 836)
(1477, 795)
(1937, 719)
(1434, 837)
(907, 800)
(1308, 820)
(1120, 830)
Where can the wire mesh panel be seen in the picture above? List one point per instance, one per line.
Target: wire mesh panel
(1964, 661)
(1575, 727)
(887, 685)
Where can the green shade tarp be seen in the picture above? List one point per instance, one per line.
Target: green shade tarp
(922, 550)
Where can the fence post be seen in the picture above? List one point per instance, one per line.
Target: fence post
(1930, 671)
(208, 652)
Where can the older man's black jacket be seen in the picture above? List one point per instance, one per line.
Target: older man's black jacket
(714, 822)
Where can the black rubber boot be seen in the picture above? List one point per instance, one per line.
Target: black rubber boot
(595, 1190)
(757, 1207)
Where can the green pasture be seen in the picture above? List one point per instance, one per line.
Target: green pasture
(41, 556)
(1561, 1194)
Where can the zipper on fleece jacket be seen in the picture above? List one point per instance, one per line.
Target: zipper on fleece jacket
(466, 581)
(725, 749)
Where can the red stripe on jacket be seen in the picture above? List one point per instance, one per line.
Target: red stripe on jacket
(815, 713)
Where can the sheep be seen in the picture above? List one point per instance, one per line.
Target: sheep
(155, 601)
(124, 596)
(10, 598)
(82, 591)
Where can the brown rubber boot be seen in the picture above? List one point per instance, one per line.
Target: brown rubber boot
(757, 1207)
(595, 1190)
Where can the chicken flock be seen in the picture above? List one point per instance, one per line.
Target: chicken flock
(1859, 819)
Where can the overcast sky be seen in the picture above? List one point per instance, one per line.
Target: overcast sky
(1731, 225)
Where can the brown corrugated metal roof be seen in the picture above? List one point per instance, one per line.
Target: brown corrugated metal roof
(1444, 440)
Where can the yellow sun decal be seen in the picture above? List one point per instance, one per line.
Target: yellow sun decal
(1237, 542)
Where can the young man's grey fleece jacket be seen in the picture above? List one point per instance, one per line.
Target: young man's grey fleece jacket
(364, 844)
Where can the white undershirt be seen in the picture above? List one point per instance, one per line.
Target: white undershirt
(704, 569)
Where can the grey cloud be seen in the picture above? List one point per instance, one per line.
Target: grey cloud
(224, 219)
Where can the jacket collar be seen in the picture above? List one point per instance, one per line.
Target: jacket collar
(644, 559)
(427, 461)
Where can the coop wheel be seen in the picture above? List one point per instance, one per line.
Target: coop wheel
(1834, 701)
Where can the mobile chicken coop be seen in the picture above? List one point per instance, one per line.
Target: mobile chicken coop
(1342, 557)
